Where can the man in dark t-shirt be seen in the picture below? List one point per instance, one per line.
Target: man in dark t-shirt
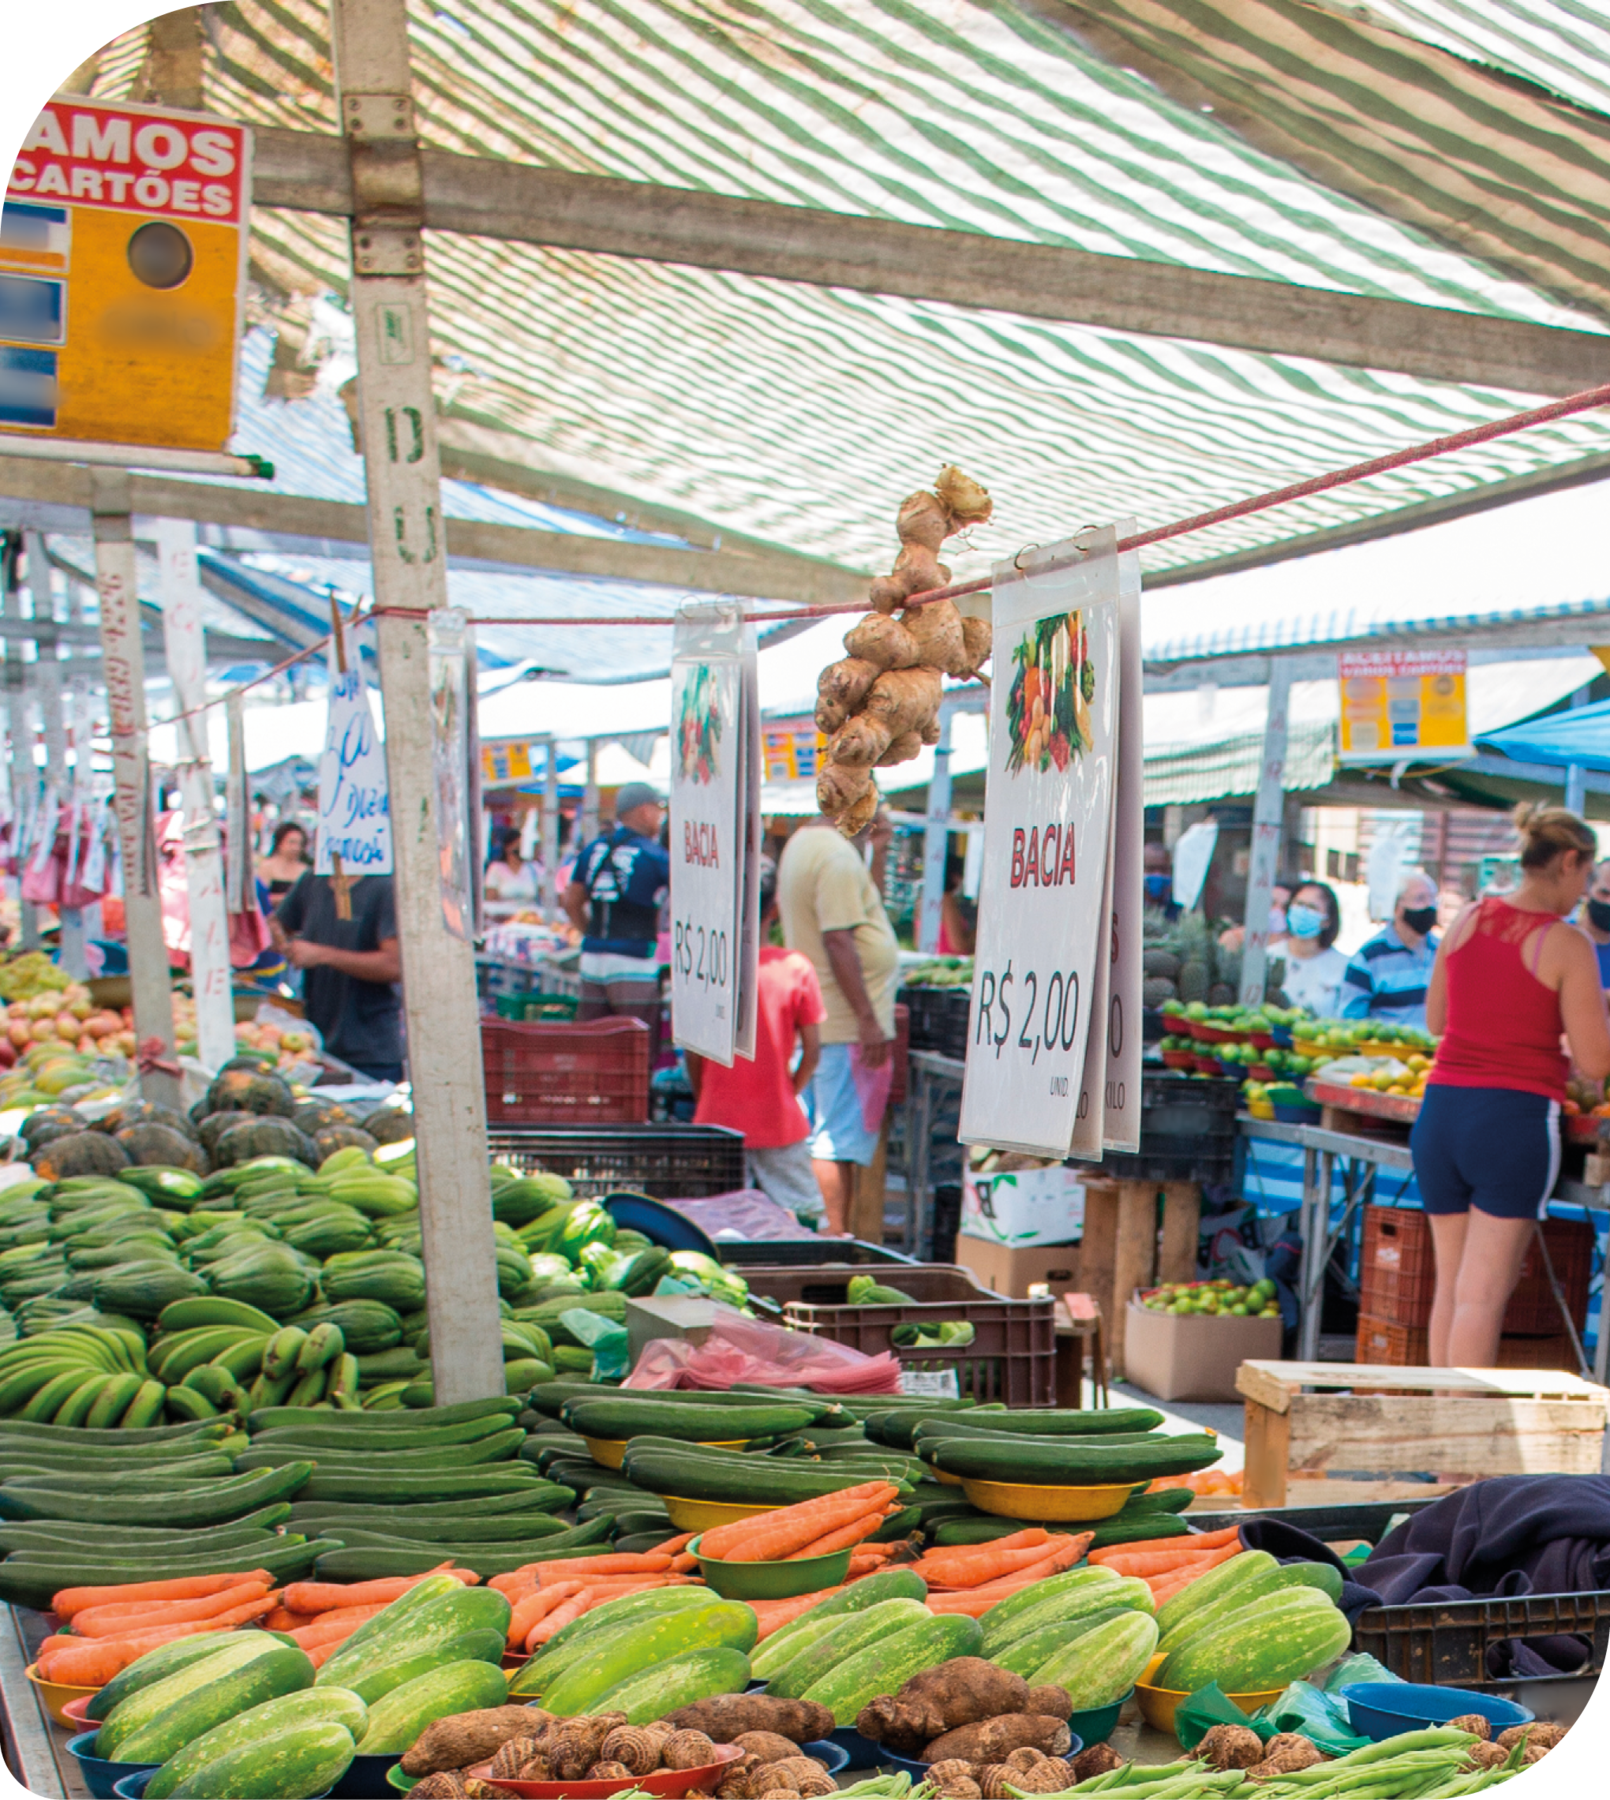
(353, 967)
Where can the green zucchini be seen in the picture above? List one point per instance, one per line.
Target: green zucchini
(270, 1418)
(701, 1474)
(361, 1438)
(498, 1447)
(211, 1503)
(535, 1529)
(1047, 1422)
(29, 1578)
(538, 1497)
(1074, 1461)
(369, 1485)
(692, 1422)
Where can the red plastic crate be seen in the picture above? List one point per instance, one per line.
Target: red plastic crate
(1407, 1347)
(584, 1074)
(1398, 1275)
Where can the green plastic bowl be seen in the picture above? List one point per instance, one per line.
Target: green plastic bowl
(771, 1580)
(1098, 1724)
(401, 1782)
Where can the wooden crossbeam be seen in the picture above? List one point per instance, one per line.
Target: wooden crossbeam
(521, 202)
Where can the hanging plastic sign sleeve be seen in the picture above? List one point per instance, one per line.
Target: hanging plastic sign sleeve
(709, 827)
(1120, 1129)
(1053, 729)
(354, 800)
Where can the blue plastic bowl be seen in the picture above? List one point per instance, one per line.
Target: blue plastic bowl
(859, 1752)
(132, 1787)
(1384, 1709)
(365, 1778)
(918, 1771)
(834, 1756)
(99, 1774)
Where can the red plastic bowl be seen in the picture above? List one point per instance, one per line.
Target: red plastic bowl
(669, 1782)
(77, 1710)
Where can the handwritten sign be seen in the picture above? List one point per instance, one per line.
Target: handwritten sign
(354, 802)
(1045, 906)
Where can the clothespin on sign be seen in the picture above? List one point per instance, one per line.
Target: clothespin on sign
(340, 882)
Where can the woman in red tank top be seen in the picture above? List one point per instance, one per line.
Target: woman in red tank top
(1509, 979)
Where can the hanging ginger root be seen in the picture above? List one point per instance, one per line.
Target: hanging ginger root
(880, 705)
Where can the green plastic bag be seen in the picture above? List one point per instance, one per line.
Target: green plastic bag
(1320, 1717)
(606, 1338)
(1198, 1713)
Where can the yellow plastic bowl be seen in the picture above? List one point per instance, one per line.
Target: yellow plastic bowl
(610, 1453)
(706, 1515)
(1061, 1505)
(946, 1477)
(1158, 1705)
(57, 1695)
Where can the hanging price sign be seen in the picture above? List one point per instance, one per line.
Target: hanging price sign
(715, 927)
(1047, 818)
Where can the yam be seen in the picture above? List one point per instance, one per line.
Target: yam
(990, 1740)
(859, 743)
(930, 732)
(923, 519)
(885, 643)
(725, 1717)
(841, 687)
(462, 1739)
(935, 1701)
(445, 1784)
(964, 500)
(901, 749)
(904, 699)
(1050, 1699)
(936, 633)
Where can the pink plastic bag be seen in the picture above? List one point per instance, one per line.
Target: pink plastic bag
(740, 1349)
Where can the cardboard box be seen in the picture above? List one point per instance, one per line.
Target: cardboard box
(1009, 1270)
(1184, 1356)
(1024, 1206)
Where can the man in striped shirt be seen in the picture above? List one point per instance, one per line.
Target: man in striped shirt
(1387, 977)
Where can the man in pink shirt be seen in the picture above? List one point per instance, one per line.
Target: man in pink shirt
(761, 1098)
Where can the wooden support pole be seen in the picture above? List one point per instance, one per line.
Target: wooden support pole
(1182, 1220)
(1098, 1253)
(408, 553)
(123, 659)
(1134, 1253)
(203, 859)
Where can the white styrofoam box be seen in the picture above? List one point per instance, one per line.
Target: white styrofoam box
(1024, 1206)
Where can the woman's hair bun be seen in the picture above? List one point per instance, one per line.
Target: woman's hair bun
(1548, 831)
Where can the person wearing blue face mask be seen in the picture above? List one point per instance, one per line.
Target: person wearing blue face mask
(1314, 966)
(1159, 880)
(1594, 920)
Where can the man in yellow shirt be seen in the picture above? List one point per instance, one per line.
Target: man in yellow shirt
(832, 910)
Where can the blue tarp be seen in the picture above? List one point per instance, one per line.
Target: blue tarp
(1580, 736)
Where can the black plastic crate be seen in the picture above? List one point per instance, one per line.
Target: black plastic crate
(939, 1018)
(1447, 1642)
(808, 1252)
(692, 1162)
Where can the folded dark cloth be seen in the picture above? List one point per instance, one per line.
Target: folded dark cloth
(1510, 1534)
(1289, 1543)
(1514, 1659)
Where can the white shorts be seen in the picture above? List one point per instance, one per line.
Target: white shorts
(784, 1174)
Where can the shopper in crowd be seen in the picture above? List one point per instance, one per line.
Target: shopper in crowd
(1279, 898)
(1388, 974)
(832, 909)
(511, 883)
(958, 916)
(1314, 966)
(1159, 879)
(1509, 978)
(351, 968)
(614, 898)
(760, 1098)
(1594, 920)
(284, 866)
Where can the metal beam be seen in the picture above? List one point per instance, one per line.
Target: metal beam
(520, 202)
(471, 543)
(1393, 523)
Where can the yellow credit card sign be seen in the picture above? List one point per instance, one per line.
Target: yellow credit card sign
(1402, 705)
(122, 266)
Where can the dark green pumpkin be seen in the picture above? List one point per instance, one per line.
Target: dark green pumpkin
(250, 1090)
(264, 1136)
(150, 1144)
(79, 1153)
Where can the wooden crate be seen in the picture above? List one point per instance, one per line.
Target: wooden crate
(1399, 1421)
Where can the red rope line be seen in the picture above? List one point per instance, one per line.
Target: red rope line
(1451, 441)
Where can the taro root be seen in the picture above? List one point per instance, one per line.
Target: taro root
(687, 1750)
(610, 1771)
(738, 1778)
(638, 1751)
(941, 1774)
(931, 640)
(1483, 1755)
(1535, 1736)
(1231, 1747)
(512, 1757)
(1477, 1724)
(442, 1784)
(1048, 1776)
(1284, 1754)
(1099, 1759)
(1025, 1758)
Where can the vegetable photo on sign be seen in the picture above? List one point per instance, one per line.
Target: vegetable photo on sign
(1048, 705)
(698, 728)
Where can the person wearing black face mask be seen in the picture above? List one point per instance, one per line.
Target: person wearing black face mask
(1388, 975)
(1594, 920)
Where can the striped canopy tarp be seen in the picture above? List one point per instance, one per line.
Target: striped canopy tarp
(800, 415)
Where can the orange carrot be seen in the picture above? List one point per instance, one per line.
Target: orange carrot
(320, 1654)
(595, 1594)
(325, 1596)
(647, 1562)
(1159, 1563)
(118, 1621)
(283, 1619)
(977, 1564)
(684, 1563)
(331, 1627)
(186, 1587)
(772, 1536)
(78, 1655)
(1191, 1546)
(846, 1537)
(674, 1546)
(515, 1583)
(533, 1607)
